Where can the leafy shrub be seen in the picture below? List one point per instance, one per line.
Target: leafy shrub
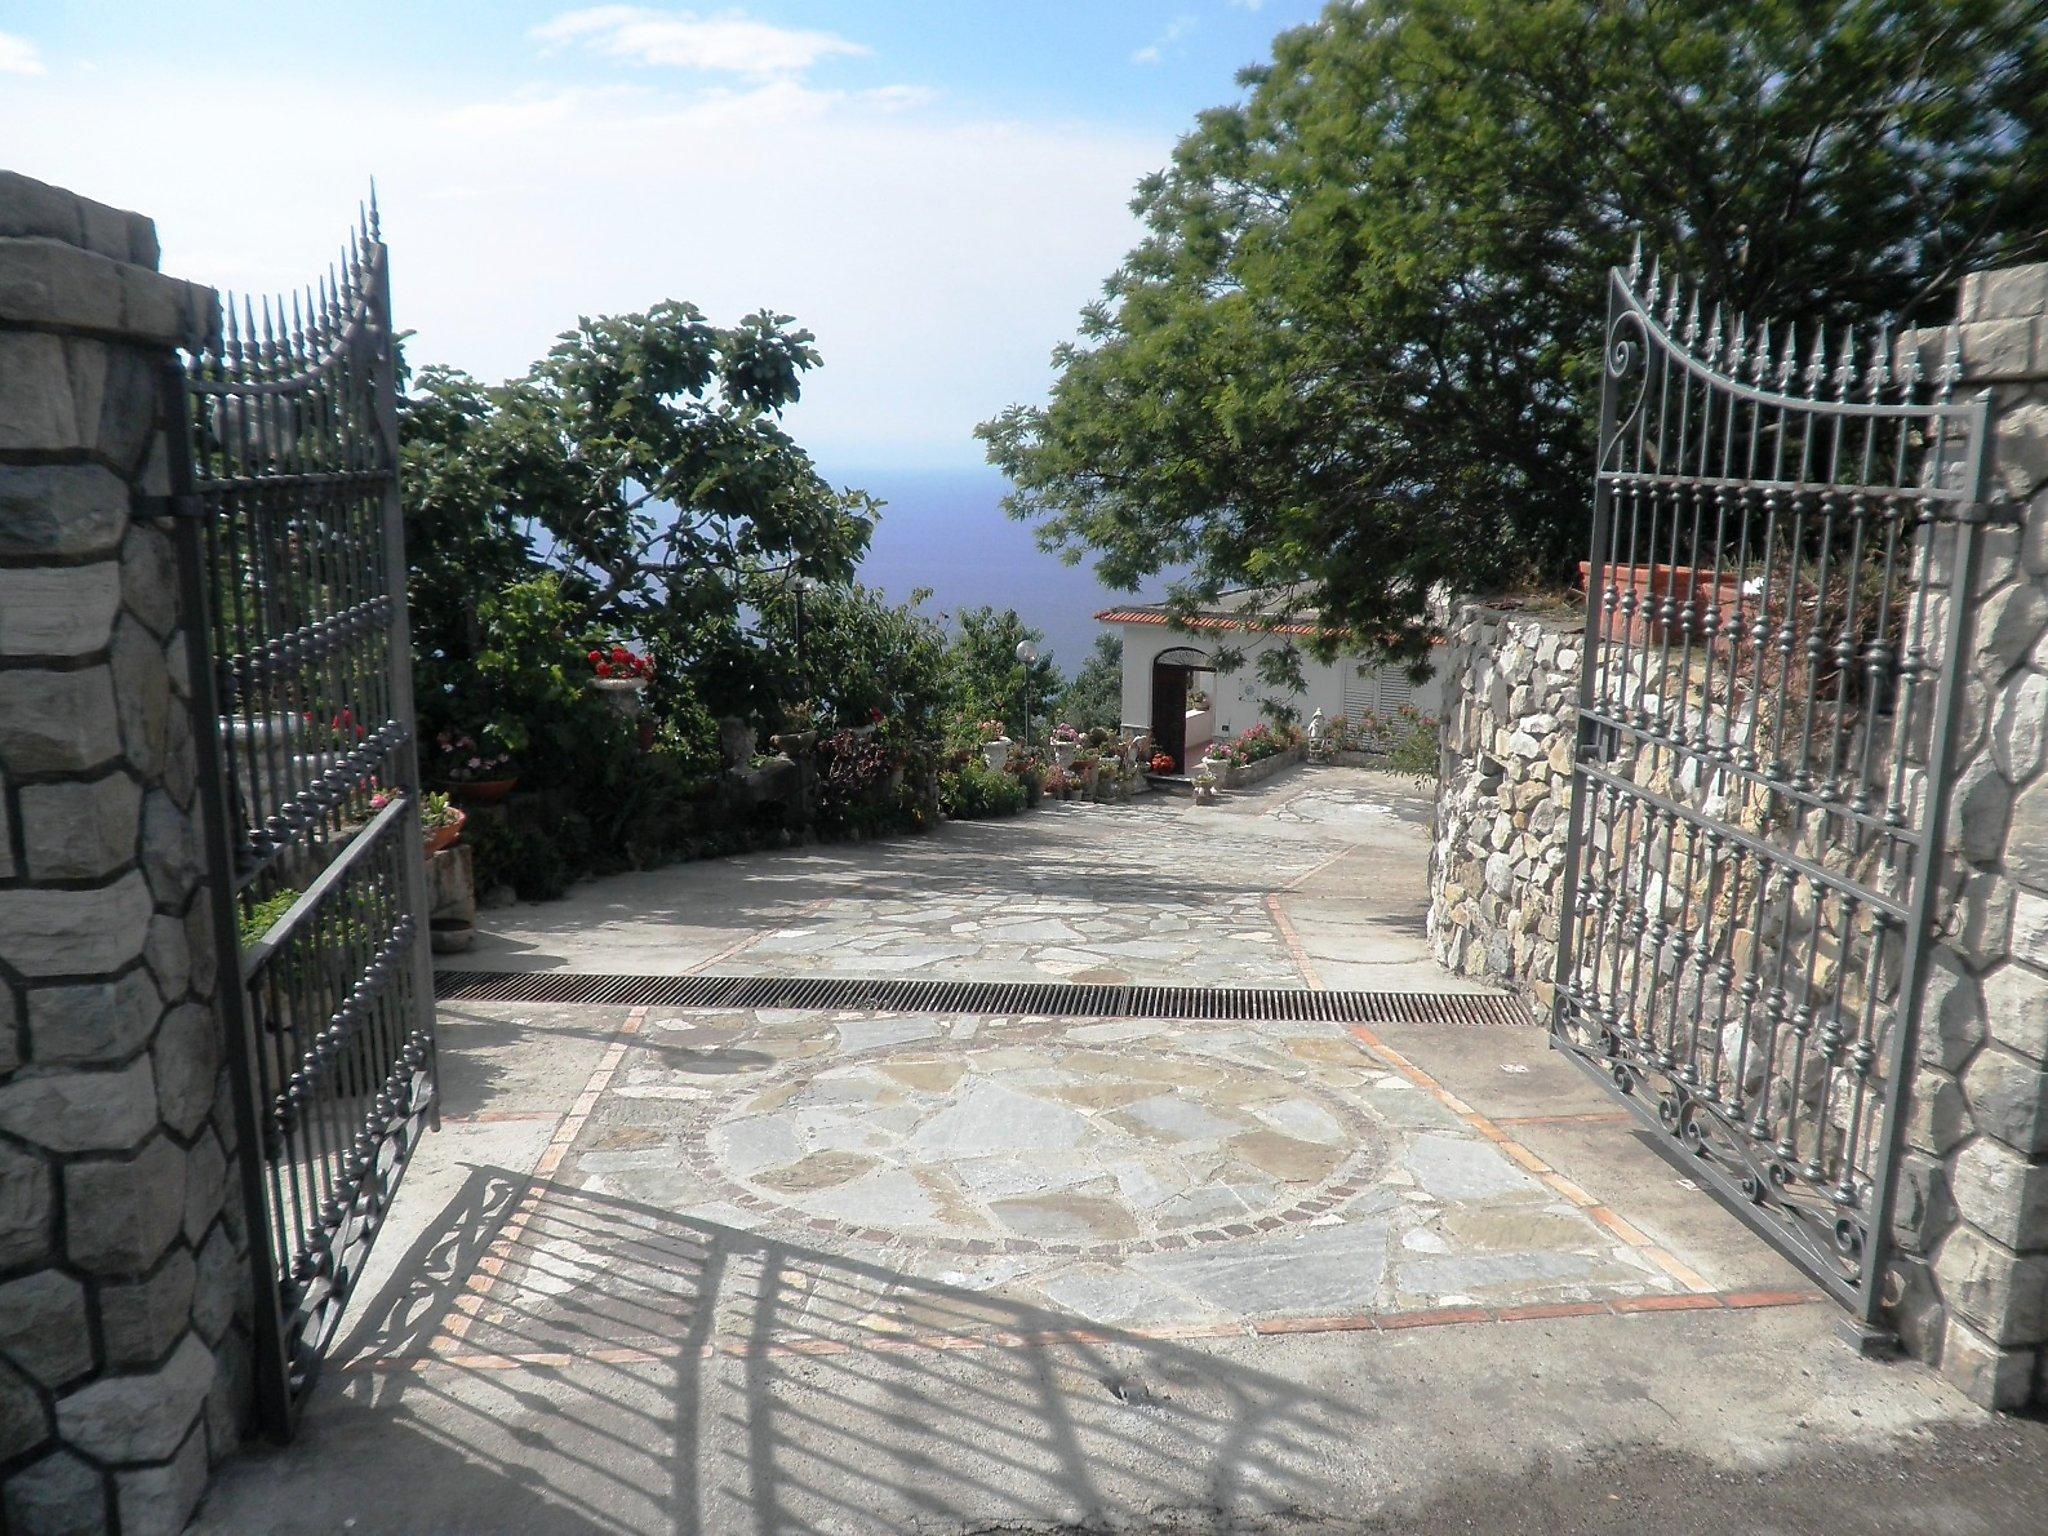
(858, 783)
(972, 791)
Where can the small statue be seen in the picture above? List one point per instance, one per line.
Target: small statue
(1315, 727)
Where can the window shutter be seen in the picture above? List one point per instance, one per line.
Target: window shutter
(1360, 692)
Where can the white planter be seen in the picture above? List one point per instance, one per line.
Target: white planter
(1218, 766)
(996, 753)
(622, 693)
(1064, 752)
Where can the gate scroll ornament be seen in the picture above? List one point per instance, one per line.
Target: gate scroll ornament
(1768, 691)
(292, 548)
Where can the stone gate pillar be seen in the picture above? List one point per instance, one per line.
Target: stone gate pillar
(1972, 1218)
(122, 1262)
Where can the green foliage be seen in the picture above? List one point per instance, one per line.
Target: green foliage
(641, 466)
(987, 682)
(259, 918)
(1417, 753)
(864, 658)
(972, 791)
(1357, 353)
(1096, 695)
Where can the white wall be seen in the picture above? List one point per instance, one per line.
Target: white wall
(1239, 696)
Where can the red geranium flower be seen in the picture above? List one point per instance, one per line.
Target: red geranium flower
(604, 669)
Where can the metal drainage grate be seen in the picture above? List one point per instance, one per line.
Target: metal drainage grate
(1053, 999)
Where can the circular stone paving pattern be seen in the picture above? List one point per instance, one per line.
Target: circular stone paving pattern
(1038, 1147)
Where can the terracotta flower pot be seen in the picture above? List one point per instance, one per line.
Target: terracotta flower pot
(483, 791)
(446, 837)
(1694, 591)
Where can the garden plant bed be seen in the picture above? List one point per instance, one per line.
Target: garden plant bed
(1244, 775)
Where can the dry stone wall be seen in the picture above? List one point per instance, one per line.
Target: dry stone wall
(123, 1268)
(1511, 682)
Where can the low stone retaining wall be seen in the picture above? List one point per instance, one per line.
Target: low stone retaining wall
(1244, 776)
(1503, 808)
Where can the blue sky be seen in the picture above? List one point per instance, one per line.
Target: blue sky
(935, 188)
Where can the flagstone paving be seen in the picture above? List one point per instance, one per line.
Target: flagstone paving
(719, 1271)
(1155, 891)
(1129, 1172)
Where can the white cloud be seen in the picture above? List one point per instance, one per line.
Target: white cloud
(1155, 52)
(937, 254)
(729, 43)
(19, 56)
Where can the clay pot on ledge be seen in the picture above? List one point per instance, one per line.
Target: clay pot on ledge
(445, 837)
(482, 792)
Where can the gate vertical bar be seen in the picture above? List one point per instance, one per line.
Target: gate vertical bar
(1929, 865)
(399, 659)
(1584, 740)
(270, 1364)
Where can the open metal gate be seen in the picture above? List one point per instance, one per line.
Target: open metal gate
(293, 551)
(1769, 691)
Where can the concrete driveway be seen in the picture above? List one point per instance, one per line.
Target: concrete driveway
(761, 1272)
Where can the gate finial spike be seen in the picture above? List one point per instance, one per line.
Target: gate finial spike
(1738, 344)
(1760, 365)
(1714, 336)
(1656, 284)
(1788, 358)
(1881, 361)
(1671, 303)
(1635, 256)
(1692, 319)
(250, 352)
(1845, 364)
(376, 228)
(1909, 364)
(1951, 370)
(1816, 362)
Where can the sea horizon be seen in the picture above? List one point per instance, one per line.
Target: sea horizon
(945, 529)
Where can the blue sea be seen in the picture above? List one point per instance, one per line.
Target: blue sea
(945, 529)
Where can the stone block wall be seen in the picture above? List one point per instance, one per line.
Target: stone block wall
(123, 1268)
(1511, 684)
(1972, 1280)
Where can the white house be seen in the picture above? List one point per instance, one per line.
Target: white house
(1173, 689)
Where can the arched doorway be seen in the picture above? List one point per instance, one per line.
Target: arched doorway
(1172, 671)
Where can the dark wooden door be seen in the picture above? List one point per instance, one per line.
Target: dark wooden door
(1170, 712)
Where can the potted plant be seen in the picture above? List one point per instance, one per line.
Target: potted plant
(1162, 762)
(801, 733)
(441, 821)
(1205, 786)
(1066, 744)
(471, 773)
(621, 676)
(995, 745)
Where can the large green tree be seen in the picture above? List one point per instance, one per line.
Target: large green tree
(988, 682)
(1096, 695)
(643, 463)
(1357, 350)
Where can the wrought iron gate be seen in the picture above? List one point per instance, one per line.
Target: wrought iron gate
(1769, 688)
(294, 551)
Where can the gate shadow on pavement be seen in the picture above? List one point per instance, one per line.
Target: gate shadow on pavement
(629, 1370)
